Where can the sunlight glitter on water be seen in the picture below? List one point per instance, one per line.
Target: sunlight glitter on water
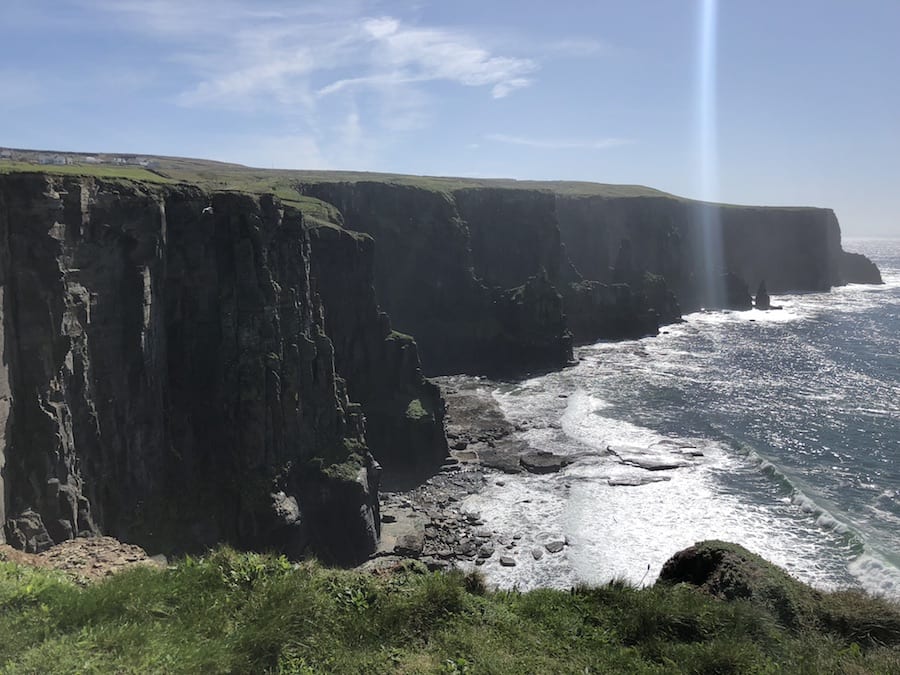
(793, 410)
(628, 531)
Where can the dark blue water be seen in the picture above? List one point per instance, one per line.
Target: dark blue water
(792, 418)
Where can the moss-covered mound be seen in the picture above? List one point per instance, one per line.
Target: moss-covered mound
(731, 572)
(242, 613)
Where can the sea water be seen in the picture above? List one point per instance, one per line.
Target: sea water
(777, 430)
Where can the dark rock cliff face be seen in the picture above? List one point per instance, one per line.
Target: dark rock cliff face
(404, 412)
(514, 235)
(856, 268)
(426, 279)
(178, 366)
(452, 267)
(701, 248)
(166, 375)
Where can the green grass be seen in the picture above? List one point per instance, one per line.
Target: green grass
(397, 336)
(224, 176)
(416, 411)
(251, 613)
(213, 175)
(96, 170)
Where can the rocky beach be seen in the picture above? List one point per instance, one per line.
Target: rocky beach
(435, 521)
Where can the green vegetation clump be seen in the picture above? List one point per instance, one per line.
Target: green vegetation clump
(342, 462)
(731, 572)
(417, 411)
(97, 171)
(347, 470)
(250, 613)
(397, 336)
(288, 184)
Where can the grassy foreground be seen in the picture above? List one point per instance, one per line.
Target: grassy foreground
(236, 612)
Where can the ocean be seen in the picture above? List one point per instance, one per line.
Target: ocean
(777, 430)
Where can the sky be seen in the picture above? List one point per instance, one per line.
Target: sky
(742, 101)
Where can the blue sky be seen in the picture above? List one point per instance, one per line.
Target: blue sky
(802, 105)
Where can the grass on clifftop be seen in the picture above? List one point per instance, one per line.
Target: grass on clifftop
(250, 613)
(98, 171)
(213, 175)
(225, 176)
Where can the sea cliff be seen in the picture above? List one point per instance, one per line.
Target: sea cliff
(503, 280)
(168, 378)
(224, 355)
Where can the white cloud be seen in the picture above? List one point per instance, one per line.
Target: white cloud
(323, 68)
(241, 51)
(423, 54)
(560, 144)
(577, 47)
(333, 82)
(257, 84)
(503, 89)
(381, 28)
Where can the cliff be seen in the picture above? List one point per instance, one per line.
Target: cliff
(185, 364)
(404, 412)
(855, 268)
(168, 379)
(428, 281)
(453, 259)
(692, 244)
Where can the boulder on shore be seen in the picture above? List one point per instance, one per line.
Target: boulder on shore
(542, 461)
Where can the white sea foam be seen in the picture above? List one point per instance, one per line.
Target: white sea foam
(876, 575)
(788, 311)
(822, 517)
(626, 532)
(619, 518)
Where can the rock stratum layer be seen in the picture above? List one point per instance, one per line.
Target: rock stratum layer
(185, 365)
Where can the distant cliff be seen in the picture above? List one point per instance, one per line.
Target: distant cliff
(503, 279)
(169, 372)
(791, 249)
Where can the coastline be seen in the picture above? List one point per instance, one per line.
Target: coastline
(436, 521)
(472, 502)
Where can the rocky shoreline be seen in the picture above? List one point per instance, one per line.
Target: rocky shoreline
(432, 522)
(439, 521)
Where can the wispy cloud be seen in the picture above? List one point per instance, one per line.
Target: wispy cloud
(315, 64)
(436, 54)
(278, 47)
(577, 47)
(338, 80)
(560, 144)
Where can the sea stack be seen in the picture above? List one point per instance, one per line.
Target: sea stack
(763, 301)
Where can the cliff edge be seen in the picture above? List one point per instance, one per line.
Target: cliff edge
(168, 375)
